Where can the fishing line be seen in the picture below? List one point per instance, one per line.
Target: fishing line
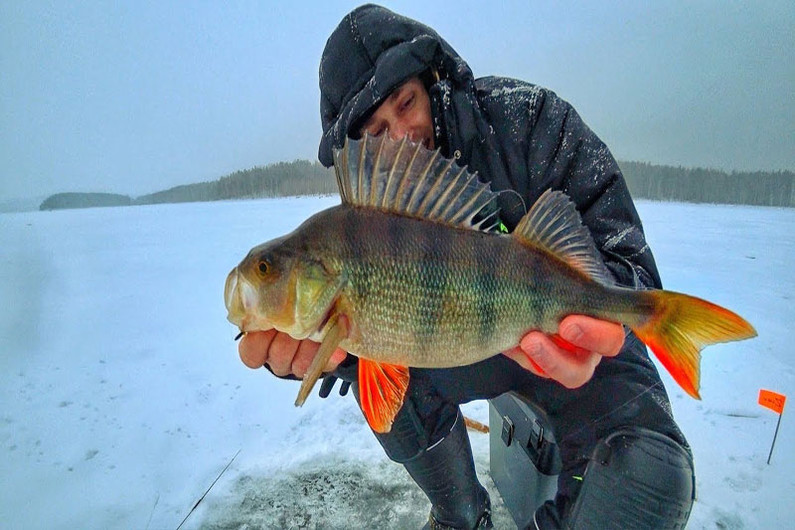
(208, 489)
(605, 415)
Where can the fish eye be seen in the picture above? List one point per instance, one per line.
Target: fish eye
(264, 267)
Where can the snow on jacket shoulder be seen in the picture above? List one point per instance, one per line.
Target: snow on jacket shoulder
(524, 138)
(520, 137)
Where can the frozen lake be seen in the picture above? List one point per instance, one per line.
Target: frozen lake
(124, 398)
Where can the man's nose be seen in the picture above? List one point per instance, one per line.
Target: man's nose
(397, 131)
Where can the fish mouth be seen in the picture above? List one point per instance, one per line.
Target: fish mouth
(230, 293)
(241, 299)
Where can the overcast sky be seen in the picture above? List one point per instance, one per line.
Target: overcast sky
(134, 97)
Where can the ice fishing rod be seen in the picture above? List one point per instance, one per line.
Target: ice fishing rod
(208, 490)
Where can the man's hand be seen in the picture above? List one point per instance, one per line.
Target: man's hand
(549, 357)
(284, 354)
(537, 352)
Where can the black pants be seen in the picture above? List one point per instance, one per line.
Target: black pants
(625, 396)
(635, 478)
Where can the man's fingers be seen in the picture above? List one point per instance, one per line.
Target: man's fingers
(336, 358)
(253, 347)
(305, 354)
(572, 370)
(303, 357)
(525, 361)
(600, 336)
(281, 354)
(307, 350)
(284, 354)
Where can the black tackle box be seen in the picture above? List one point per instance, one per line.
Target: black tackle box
(525, 460)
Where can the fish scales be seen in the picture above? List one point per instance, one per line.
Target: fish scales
(429, 295)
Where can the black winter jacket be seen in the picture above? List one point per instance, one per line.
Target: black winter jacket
(523, 139)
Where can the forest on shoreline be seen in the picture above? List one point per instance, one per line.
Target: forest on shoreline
(302, 177)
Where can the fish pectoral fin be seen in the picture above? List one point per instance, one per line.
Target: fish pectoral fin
(337, 331)
(382, 388)
(563, 344)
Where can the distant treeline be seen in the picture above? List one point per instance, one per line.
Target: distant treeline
(276, 180)
(301, 177)
(667, 183)
(83, 200)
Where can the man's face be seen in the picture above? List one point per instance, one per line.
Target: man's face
(405, 112)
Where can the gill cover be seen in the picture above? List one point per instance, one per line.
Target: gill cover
(315, 293)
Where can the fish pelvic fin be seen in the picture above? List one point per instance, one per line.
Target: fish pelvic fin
(553, 224)
(336, 332)
(681, 326)
(382, 388)
(405, 178)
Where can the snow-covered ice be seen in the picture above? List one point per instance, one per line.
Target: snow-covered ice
(124, 398)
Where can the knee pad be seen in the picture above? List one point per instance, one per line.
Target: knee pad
(636, 478)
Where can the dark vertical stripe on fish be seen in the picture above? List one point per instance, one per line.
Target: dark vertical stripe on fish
(352, 226)
(486, 287)
(433, 277)
(396, 239)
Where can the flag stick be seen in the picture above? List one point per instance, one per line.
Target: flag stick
(774, 440)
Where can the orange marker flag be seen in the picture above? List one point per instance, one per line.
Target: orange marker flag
(772, 400)
(775, 402)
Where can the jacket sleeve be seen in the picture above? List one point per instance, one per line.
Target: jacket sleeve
(563, 153)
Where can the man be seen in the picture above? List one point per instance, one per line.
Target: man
(625, 462)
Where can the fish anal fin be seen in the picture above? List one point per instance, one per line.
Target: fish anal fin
(554, 225)
(382, 388)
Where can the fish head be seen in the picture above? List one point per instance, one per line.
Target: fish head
(279, 285)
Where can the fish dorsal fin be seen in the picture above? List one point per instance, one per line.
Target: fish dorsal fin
(554, 224)
(405, 178)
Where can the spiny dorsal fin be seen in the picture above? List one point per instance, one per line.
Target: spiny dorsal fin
(554, 224)
(405, 178)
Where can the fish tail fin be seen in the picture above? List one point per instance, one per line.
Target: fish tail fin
(681, 326)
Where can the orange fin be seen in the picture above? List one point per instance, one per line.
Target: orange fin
(563, 344)
(539, 371)
(681, 326)
(382, 388)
